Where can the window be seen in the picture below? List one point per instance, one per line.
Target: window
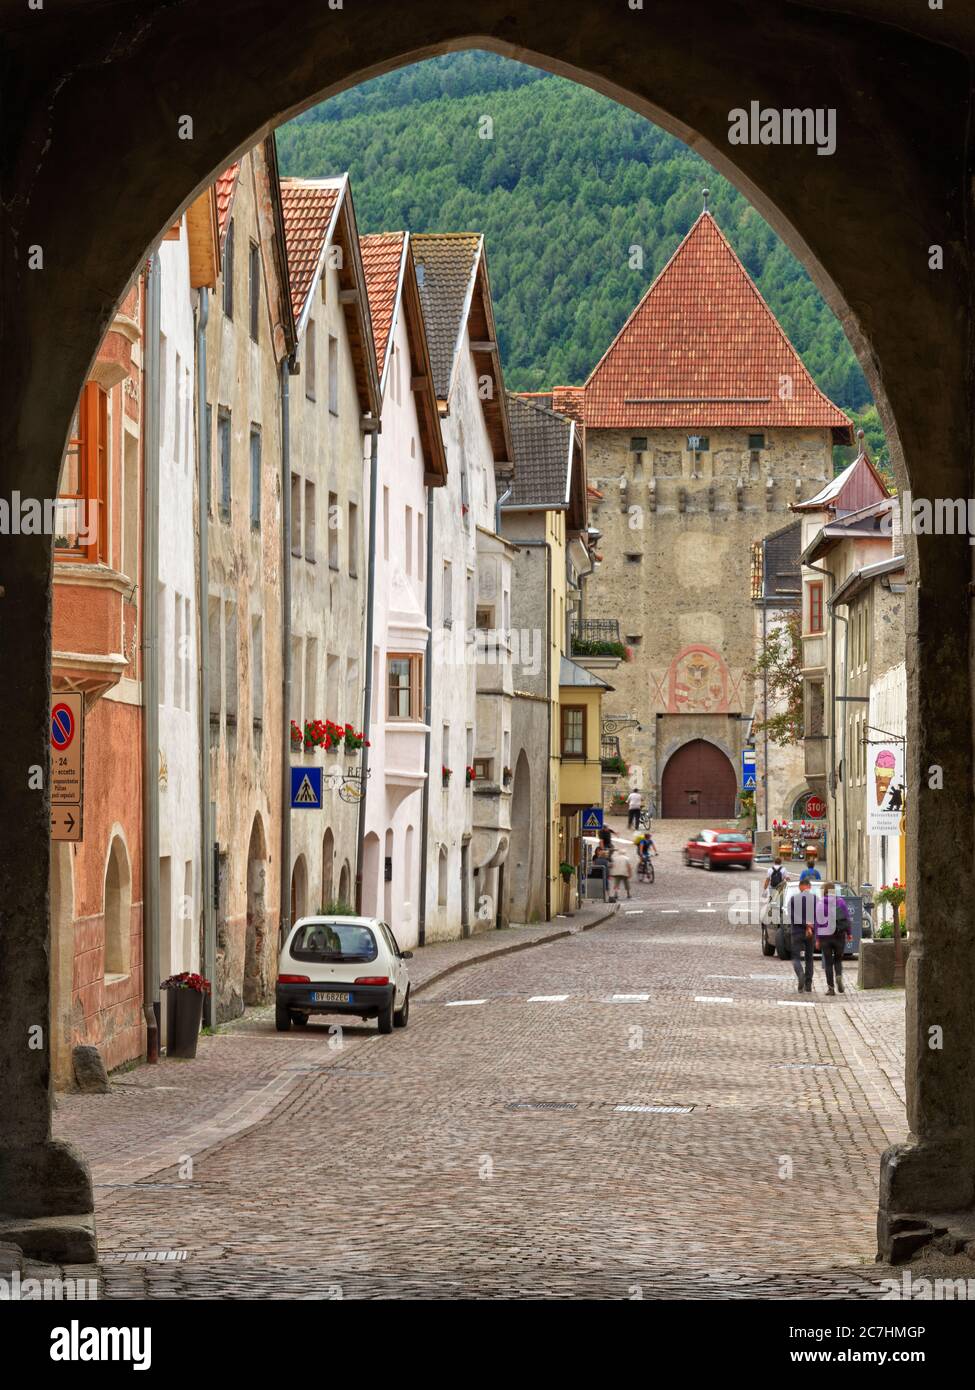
(257, 671)
(448, 594)
(442, 877)
(131, 505)
(208, 453)
(255, 478)
(408, 539)
(295, 516)
(213, 634)
(469, 615)
(333, 374)
(815, 706)
(334, 525)
(816, 606)
(310, 360)
(81, 530)
(698, 443)
(484, 619)
(230, 662)
(310, 552)
(420, 548)
(404, 687)
(638, 444)
(756, 441)
(333, 694)
(573, 731)
(484, 769)
(118, 911)
(353, 539)
(228, 272)
(223, 451)
(254, 288)
(445, 747)
(311, 678)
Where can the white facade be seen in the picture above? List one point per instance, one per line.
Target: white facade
(180, 754)
(394, 830)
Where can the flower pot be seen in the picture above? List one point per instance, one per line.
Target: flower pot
(876, 964)
(184, 1014)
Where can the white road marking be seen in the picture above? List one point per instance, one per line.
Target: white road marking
(630, 998)
(633, 912)
(707, 909)
(547, 998)
(459, 1003)
(731, 977)
(712, 999)
(796, 1003)
(652, 1109)
(667, 911)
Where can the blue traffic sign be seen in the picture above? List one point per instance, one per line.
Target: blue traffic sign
(748, 778)
(306, 789)
(592, 818)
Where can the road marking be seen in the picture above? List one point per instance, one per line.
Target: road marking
(712, 999)
(653, 1109)
(460, 1003)
(547, 998)
(629, 998)
(633, 912)
(796, 1003)
(668, 911)
(707, 909)
(777, 978)
(731, 977)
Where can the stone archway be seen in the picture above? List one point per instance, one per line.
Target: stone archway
(72, 74)
(698, 783)
(255, 952)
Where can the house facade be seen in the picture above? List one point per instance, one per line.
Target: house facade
(249, 334)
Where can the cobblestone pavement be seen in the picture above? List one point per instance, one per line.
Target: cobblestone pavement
(644, 1109)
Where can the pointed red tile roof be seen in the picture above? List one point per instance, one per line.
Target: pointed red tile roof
(226, 186)
(382, 257)
(569, 400)
(703, 349)
(308, 211)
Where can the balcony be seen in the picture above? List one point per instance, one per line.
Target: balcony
(596, 644)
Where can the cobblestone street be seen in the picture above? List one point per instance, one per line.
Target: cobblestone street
(643, 1108)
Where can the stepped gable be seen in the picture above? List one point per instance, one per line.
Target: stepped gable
(703, 349)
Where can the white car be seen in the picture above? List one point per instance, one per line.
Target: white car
(342, 965)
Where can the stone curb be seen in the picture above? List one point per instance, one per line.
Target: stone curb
(509, 950)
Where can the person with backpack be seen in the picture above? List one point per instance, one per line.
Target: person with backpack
(777, 877)
(833, 925)
(802, 921)
(620, 871)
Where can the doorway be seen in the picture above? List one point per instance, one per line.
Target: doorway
(699, 783)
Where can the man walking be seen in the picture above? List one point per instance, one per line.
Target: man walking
(832, 928)
(802, 920)
(620, 871)
(634, 805)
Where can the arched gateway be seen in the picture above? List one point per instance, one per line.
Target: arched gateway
(236, 69)
(699, 783)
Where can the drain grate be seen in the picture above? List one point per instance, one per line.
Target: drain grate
(653, 1109)
(542, 1105)
(124, 1257)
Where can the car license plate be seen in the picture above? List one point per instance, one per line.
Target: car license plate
(330, 997)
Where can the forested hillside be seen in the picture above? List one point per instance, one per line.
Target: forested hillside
(572, 192)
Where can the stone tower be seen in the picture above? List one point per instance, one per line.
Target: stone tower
(703, 428)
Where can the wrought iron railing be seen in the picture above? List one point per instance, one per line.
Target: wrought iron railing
(596, 630)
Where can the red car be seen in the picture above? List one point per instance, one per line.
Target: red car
(714, 848)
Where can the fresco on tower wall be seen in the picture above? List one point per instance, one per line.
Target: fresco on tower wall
(698, 682)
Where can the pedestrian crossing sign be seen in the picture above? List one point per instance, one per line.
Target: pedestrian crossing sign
(748, 777)
(306, 788)
(592, 818)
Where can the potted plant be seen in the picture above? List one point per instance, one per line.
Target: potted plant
(470, 775)
(184, 1012)
(566, 870)
(297, 738)
(446, 773)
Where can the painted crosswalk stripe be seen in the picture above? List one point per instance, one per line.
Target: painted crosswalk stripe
(796, 1003)
(547, 998)
(630, 998)
(669, 911)
(712, 999)
(706, 909)
(459, 1003)
(633, 912)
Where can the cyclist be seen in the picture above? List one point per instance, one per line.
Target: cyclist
(644, 848)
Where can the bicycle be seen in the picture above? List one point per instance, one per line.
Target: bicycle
(644, 870)
(646, 820)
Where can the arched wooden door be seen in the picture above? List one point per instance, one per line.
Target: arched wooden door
(699, 783)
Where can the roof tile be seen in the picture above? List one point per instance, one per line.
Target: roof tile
(445, 266)
(308, 210)
(382, 256)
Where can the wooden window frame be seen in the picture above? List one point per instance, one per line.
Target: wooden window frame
(814, 605)
(254, 290)
(573, 709)
(92, 445)
(415, 715)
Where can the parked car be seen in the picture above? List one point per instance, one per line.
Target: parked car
(342, 965)
(717, 848)
(776, 937)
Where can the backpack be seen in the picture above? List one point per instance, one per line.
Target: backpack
(776, 879)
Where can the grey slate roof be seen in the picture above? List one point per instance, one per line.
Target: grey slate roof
(541, 441)
(783, 578)
(571, 673)
(445, 266)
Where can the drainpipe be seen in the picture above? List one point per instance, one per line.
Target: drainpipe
(284, 909)
(428, 737)
(497, 508)
(817, 569)
(845, 783)
(209, 966)
(150, 671)
(372, 424)
(765, 777)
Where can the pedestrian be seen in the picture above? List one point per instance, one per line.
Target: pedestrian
(810, 869)
(802, 920)
(606, 838)
(777, 876)
(620, 871)
(833, 925)
(634, 805)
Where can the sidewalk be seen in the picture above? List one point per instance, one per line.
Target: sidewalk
(157, 1116)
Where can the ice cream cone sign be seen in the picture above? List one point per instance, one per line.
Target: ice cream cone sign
(884, 767)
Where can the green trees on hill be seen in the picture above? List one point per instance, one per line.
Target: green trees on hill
(581, 202)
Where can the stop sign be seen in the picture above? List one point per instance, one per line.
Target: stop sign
(815, 808)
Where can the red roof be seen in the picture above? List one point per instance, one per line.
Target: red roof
(308, 210)
(226, 185)
(382, 256)
(569, 400)
(702, 348)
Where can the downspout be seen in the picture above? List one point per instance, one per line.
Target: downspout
(427, 716)
(150, 671)
(765, 779)
(203, 603)
(284, 908)
(845, 782)
(817, 569)
(373, 426)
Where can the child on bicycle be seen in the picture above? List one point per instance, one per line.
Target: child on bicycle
(644, 848)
